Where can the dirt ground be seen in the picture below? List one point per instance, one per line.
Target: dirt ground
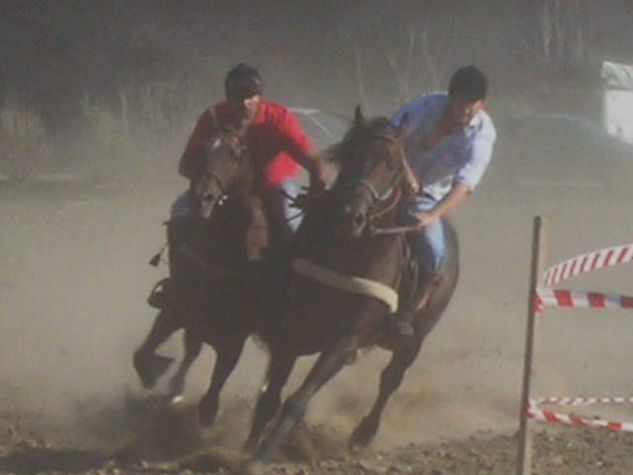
(72, 310)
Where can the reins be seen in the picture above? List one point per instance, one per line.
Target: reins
(394, 202)
(394, 230)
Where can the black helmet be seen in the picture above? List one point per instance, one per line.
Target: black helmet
(243, 81)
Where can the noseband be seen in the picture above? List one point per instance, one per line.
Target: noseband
(377, 197)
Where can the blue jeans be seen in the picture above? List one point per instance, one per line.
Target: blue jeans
(284, 220)
(430, 239)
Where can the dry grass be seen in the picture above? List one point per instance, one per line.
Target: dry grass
(137, 133)
(23, 142)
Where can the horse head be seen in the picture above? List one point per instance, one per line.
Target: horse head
(226, 168)
(373, 172)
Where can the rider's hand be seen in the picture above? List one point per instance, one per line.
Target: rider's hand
(317, 185)
(305, 201)
(424, 219)
(301, 201)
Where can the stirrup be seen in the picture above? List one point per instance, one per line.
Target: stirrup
(159, 294)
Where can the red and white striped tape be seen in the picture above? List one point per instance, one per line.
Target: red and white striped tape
(581, 400)
(571, 298)
(542, 415)
(588, 262)
(571, 419)
(547, 297)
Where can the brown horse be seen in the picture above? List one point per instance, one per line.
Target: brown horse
(351, 263)
(217, 292)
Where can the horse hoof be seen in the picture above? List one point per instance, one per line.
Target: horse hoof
(177, 400)
(150, 367)
(361, 437)
(207, 415)
(176, 387)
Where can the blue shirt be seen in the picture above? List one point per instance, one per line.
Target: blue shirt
(461, 157)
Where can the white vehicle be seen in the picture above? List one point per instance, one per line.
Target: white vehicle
(323, 128)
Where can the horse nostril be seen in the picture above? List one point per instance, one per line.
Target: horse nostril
(359, 220)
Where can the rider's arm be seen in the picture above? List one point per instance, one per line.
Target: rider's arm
(452, 200)
(190, 163)
(466, 179)
(296, 143)
(317, 170)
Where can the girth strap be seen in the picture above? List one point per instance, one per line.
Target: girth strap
(357, 285)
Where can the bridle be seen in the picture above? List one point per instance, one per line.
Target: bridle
(209, 176)
(394, 192)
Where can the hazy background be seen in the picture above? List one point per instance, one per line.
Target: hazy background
(97, 99)
(114, 86)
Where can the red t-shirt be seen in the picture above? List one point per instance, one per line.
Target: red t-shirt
(274, 139)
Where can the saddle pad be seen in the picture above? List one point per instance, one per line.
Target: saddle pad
(357, 285)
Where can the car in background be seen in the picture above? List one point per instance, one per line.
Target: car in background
(323, 128)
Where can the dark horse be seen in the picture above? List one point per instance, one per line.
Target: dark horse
(351, 263)
(218, 294)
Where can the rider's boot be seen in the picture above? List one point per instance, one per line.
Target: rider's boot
(158, 296)
(414, 303)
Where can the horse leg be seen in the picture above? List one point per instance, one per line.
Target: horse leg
(328, 364)
(193, 346)
(149, 366)
(269, 400)
(226, 359)
(390, 380)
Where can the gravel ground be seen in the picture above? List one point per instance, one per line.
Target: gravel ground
(563, 451)
(72, 309)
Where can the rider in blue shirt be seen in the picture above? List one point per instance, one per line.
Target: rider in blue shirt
(448, 146)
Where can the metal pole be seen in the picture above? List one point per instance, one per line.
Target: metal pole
(539, 251)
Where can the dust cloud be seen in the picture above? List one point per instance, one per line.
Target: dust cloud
(74, 250)
(75, 278)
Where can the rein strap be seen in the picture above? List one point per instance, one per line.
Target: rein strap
(357, 285)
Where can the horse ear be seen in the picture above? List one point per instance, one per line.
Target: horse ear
(358, 116)
(403, 128)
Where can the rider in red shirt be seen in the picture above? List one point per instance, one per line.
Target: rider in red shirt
(276, 143)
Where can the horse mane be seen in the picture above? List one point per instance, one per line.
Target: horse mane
(342, 154)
